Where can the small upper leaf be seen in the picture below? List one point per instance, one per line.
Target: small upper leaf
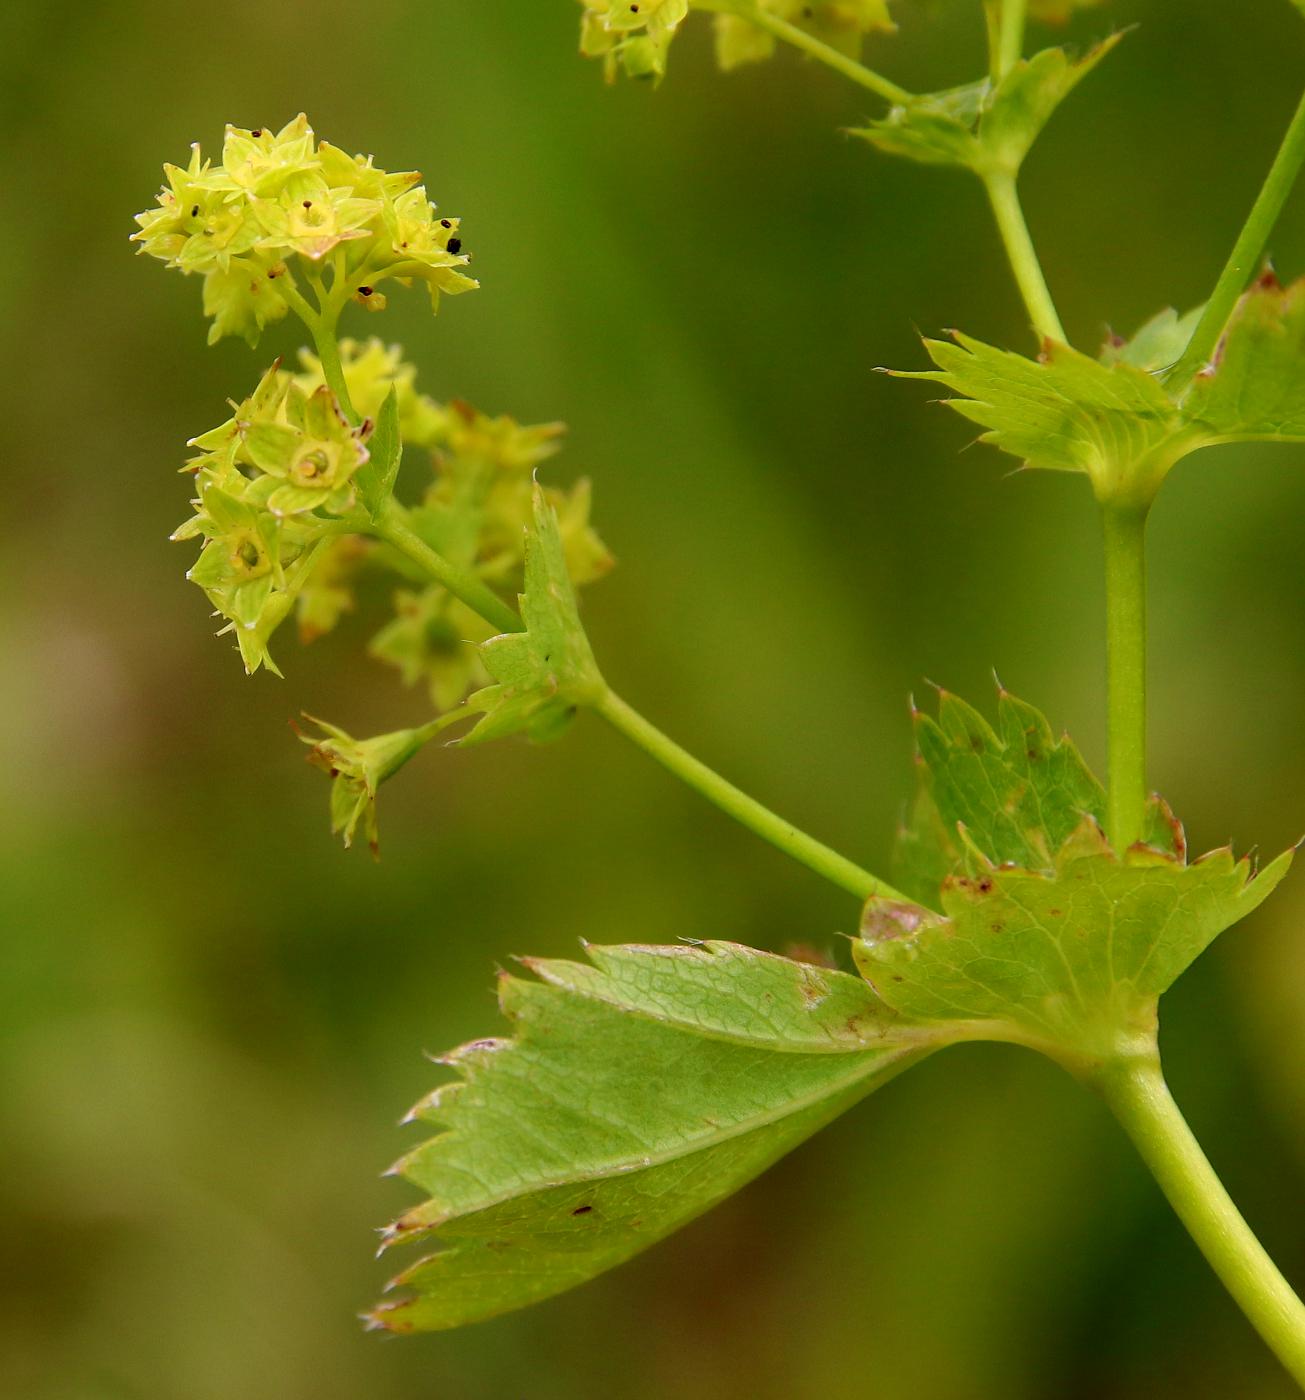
(639, 1089)
(1066, 411)
(985, 127)
(377, 475)
(1112, 417)
(544, 673)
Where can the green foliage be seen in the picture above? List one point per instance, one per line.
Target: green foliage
(643, 1086)
(1067, 412)
(1071, 962)
(1045, 934)
(546, 672)
(1112, 418)
(1254, 388)
(986, 127)
(638, 1090)
(1018, 791)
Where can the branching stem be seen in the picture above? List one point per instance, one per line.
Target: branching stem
(395, 530)
(1007, 210)
(739, 805)
(1139, 1098)
(1244, 260)
(1124, 530)
(1010, 46)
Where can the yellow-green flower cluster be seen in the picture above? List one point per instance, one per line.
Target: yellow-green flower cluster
(633, 36)
(280, 206)
(474, 512)
(285, 454)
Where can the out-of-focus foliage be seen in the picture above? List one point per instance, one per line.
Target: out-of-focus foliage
(198, 1076)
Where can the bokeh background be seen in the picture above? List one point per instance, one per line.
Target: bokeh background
(211, 1016)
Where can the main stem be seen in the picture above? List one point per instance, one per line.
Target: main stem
(1010, 43)
(1139, 1098)
(740, 806)
(1124, 530)
(1246, 255)
(1006, 208)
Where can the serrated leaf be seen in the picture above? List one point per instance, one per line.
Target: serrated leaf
(1018, 790)
(639, 1089)
(1158, 345)
(1067, 412)
(546, 672)
(1071, 962)
(980, 126)
(1112, 418)
(377, 475)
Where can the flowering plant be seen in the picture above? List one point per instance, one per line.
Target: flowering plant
(1031, 904)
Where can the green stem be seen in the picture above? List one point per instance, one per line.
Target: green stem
(1139, 1098)
(1005, 201)
(811, 46)
(1011, 40)
(394, 529)
(1245, 258)
(328, 352)
(739, 805)
(1124, 531)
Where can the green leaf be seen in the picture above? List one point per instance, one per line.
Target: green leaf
(377, 475)
(1255, 387)
(1017, 790)
(1071, 962)
(1067, 412)
(1112, 418)
(1159, 344)
(639, 1090)
(981, 127)
(545, 673)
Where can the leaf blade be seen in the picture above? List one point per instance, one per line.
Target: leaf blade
(615, 1115)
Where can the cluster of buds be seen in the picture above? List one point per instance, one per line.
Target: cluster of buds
(278, 207)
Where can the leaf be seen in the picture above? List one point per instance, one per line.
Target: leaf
(1112, 418)
(1018, 791)
(1158, 345)
(1071, 962)
(1067, 412)
(377, 475)
(981, 127)
(1255, 388)
(546, 672)
(640, 1089)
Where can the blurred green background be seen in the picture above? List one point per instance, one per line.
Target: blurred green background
(211, 1016)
